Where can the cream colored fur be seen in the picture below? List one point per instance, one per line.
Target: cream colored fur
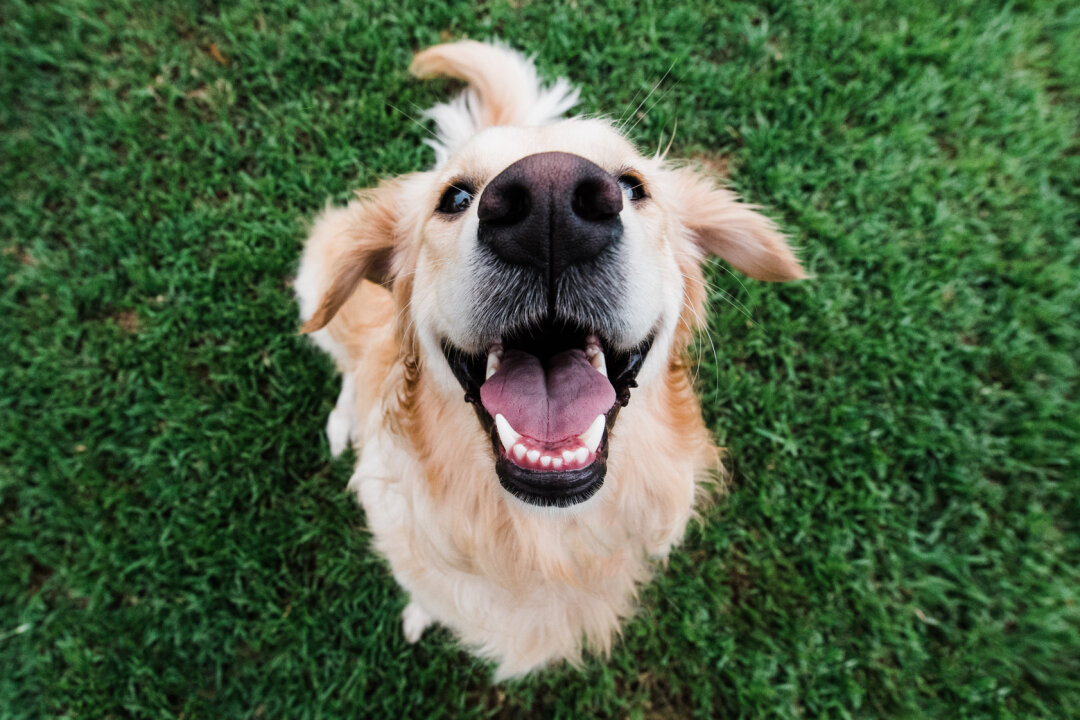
(520, 585)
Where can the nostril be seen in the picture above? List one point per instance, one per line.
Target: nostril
(596, 199)
(505, 205)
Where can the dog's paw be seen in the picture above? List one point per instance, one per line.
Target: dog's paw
(338, 429)
(414, 621)
(339, 426)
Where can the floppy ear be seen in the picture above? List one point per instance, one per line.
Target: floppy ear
(352, 244)
(734, 231)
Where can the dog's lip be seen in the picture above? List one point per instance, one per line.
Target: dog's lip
(551, 489)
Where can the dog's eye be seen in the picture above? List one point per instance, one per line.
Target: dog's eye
(456, 199)
(632, 188)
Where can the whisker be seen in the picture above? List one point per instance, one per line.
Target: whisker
(712, 344)
(412, 320)
(414, 121)
(660, 142)
(736, 277)
(654, 87)
(696, 337)
(658, 99)
(434, 264)
(629, 105)
(731, 300)
(674, 129)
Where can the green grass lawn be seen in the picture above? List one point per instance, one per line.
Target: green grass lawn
(902, 538)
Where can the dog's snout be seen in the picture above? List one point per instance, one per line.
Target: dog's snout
(550, 211)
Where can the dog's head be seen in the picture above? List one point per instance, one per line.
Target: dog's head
(545, 267)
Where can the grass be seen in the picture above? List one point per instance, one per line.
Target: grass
(903, 535)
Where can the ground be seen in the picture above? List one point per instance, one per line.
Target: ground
(902, 536)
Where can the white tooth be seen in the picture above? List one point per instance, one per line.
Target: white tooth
(591, 437)
(507, 435)
(495, 353)
(581, 455)
(533, 455)
(519, 451)
(568, 457)
(599, 363)
(545, 461)
(595, 354)
(556, 463)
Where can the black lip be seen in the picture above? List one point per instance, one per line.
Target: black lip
(548, 488)
(551, 488)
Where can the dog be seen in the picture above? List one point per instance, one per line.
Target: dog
(512, 328)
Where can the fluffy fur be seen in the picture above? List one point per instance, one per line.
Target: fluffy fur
(381, 281)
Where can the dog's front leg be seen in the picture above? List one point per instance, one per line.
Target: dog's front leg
(414, 621)
(342, 420)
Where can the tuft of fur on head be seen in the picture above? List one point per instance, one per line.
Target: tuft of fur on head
(514, 95)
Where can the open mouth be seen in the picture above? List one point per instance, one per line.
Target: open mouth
(548, 396)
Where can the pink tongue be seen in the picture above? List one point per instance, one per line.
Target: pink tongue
(551, 403)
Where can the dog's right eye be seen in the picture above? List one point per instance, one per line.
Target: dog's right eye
(632, 188)
(456, 199)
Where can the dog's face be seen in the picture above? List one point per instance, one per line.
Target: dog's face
(545, 277)
(545, 271)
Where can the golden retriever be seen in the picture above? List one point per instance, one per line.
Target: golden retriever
(512, 327)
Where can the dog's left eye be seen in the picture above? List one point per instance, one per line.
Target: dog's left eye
(456, 199)
(632, 188)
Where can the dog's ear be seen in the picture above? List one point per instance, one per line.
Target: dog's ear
(734, 231)
(358, 242)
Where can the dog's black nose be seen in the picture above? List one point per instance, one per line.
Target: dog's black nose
(551, 210)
